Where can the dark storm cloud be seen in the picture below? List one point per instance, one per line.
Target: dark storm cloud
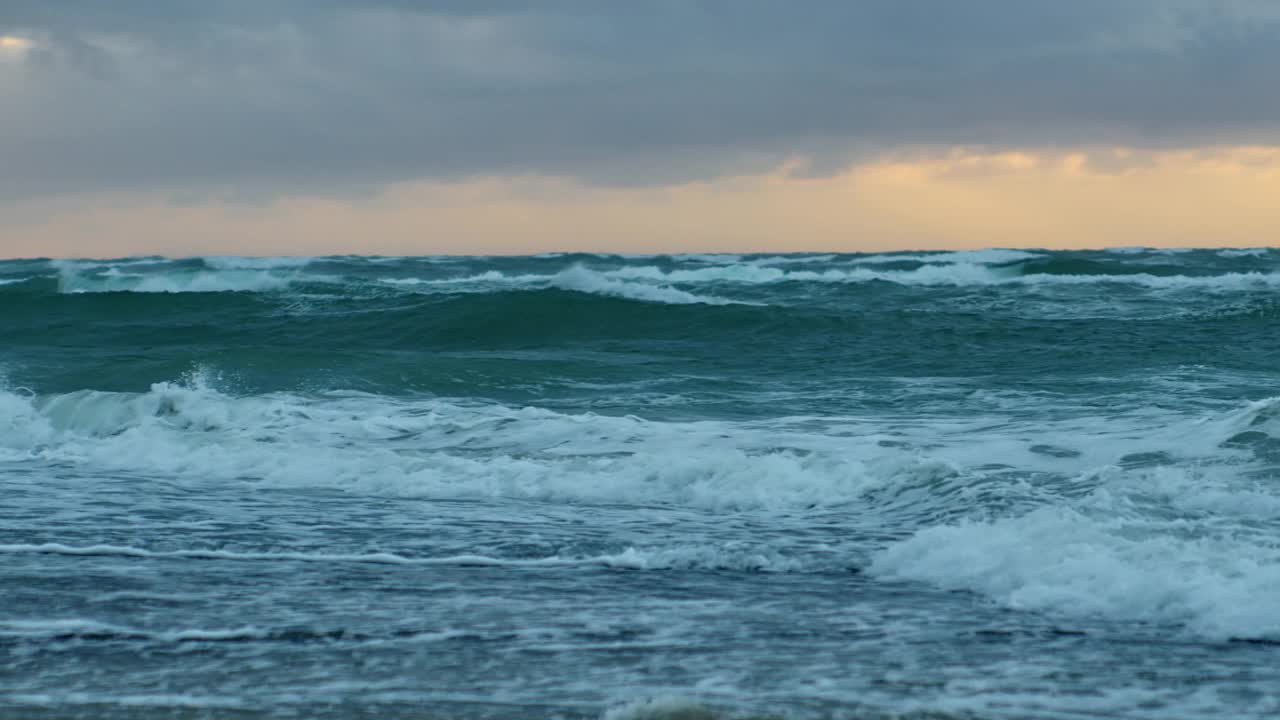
(279, 95)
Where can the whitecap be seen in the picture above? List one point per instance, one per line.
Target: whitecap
(580, 279)
(1243, 252)
(989, 256)
(1064, 561)
(234, 262)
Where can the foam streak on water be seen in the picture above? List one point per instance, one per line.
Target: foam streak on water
(997, 483)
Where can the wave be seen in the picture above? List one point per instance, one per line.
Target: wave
(1244, 252)
(232, 262)
(1174, 545)
(168, 701)
(705, 258)
(437, 449)
(669, 280)
(959, 274)
(94, 631)
(583, 280)
(658, 284)
(633, 281)
(76, 277)
(990, 256)
(1139, 518)
(794, 259)
(368, 558)
(1147, 250)
(732, 557)
(1064, 561)
(487, 278)
(576, 278)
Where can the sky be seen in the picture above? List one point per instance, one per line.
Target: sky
(393, 127)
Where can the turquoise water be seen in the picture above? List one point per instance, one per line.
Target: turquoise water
(1006, 484)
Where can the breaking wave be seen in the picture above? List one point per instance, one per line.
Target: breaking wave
(669, 279)
(376, 445)
(1174, 544)
(219, 275)
(1154, 527)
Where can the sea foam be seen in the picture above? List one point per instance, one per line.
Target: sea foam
(79, 278)
(1065, 561)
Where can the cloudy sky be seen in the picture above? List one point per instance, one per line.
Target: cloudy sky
(496, 126)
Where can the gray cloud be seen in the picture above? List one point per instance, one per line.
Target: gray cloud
(283, 95)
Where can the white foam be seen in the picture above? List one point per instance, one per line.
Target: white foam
(1243, 252)
(1226, 282)
(793, 260)
(201, 554)
(1182, 544)
(989, 256)
(74, 278)
(232, 262)
(349, 442)
(967, 274)
(576, 278)
(731, 556)
(79, 627)
(652, 283)
(164, 700)
(581, 279)
(958, 274)
(735, 557)
(746, 274)
(960, 269)
(1064, 561)
(1177, 543)
(1186, 542)
(706, 258)
(483, 281)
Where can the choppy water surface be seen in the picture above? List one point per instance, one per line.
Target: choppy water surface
(996, 484)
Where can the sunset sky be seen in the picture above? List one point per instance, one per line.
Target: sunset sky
(308, 127)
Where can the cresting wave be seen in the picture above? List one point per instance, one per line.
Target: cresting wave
(653, 283)
(657, 279)
(1158, 525)
(158, 276)
(440, 449)
(1174, 545)
(1218, 582)
(429, 447)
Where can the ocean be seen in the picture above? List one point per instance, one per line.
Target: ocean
(983, 484)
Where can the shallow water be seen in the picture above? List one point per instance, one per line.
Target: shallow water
(1007, 484)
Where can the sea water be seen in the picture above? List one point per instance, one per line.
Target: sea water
(991, 484)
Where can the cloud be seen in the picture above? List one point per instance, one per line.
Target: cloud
(271, 97)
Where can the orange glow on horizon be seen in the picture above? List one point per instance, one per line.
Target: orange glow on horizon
(951, 199)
